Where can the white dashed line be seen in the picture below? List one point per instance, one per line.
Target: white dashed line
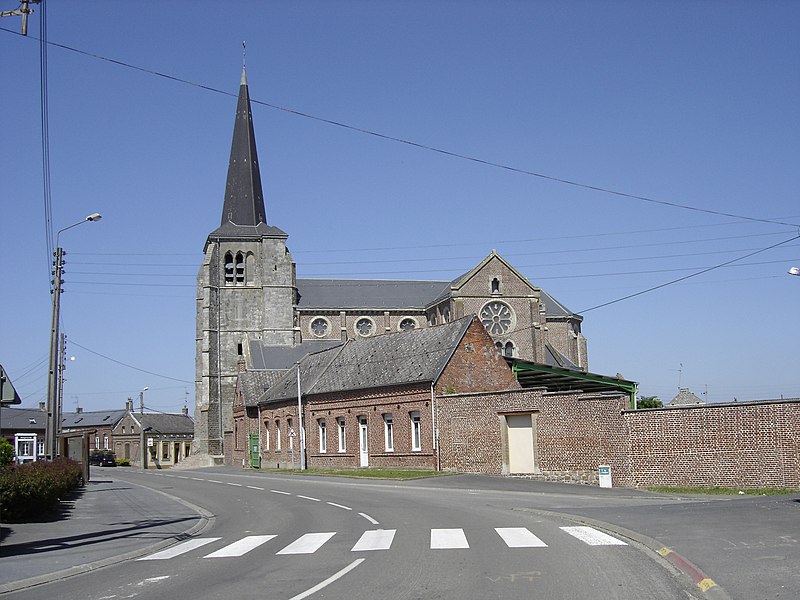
(234, 484)
(339, 506)
(253, 487)
(308, 498)
(280, 492)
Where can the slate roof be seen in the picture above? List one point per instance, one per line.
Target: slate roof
(685, 398)
(166, 423)
(96, 418)
(284, 357)
(416, 356)
(243, 213)
(554, 358)
(368, 293)
(19, 419)
(252, 384)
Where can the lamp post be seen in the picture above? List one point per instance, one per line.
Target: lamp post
(794, 271)
(53, 407)
(142, 449)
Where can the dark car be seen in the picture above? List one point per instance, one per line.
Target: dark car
(103, 459)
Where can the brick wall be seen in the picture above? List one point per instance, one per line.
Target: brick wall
(574, 432)
(750, 445)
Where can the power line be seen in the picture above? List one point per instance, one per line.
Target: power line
(657, 287)
(119, 362)
(420, 145)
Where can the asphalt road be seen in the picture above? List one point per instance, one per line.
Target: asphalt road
(290, 537)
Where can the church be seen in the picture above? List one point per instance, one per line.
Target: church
(255, 314)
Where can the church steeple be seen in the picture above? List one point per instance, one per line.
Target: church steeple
(244, 198)
(243, 212)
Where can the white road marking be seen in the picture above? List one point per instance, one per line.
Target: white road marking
(234, 484)
(308, 498)
(519, 537)
(370, 519)
(182, 477)
(243, 546)
(339, 506)
(307, 544)
(180, 549)
(329, 580)
(198, 478)
(214, 481)
(380, 539)
(280, 492)
(253, 487)
(593, 537)
(448, 539)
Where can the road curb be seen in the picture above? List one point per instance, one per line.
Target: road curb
(206, 520)
(707, 586)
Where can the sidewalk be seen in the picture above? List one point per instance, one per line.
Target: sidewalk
(105, 522)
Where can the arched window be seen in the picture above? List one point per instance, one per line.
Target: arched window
(509, 349)
(239, 268)
(228, 268)
(495, 286)
(250, 267)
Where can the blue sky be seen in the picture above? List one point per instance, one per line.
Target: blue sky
(684, 103)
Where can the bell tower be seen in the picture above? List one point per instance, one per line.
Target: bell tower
(246, 288)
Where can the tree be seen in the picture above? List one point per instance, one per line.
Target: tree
(649, 402)
(6, 452)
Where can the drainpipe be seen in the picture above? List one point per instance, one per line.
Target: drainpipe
(435, 429)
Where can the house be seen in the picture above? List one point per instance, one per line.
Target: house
(252, 308)
(25, 429)
(369, 402)
(167, 437)
(98, 424)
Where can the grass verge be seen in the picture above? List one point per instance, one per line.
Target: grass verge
(360, 473)
(720, 491)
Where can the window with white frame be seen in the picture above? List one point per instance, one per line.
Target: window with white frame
(40, 448)
(97, 442)
(266, 435)
(340, 427)
(290, 429)
(388, 432)
(323, 440)
(105, 442)
(416, 432)
(277, 434)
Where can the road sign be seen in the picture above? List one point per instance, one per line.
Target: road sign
(8, 395)
(291, 432)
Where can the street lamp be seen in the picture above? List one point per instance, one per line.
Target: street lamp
(794, 271)
(142, 450)
(53, 406)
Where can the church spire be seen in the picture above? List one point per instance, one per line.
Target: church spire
(244, 198)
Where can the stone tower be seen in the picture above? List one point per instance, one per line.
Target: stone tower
(246, 287)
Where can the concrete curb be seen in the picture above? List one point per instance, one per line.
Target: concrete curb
(660, 553)
(206, 521)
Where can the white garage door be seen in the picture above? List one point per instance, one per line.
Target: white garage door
(520, 444)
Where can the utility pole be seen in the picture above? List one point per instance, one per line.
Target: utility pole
(23, 11)
(302, 436)
(142, 449)
(51, 433)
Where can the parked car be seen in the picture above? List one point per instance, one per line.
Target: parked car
(103, 459)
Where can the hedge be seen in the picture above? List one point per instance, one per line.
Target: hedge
(31, 490)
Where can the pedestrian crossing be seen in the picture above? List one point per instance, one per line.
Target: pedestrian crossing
(382, 539)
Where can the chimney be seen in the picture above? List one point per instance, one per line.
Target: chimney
(185, 411)
(129, 405)
(42, 406)
(78, 410)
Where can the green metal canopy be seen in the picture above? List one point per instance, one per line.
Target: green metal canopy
(556, 379)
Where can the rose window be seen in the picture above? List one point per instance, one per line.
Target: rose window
(319, 327)
(364, 327)
(496, 318)
(408, 324)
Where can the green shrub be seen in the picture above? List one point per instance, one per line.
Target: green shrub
(31, 490)
(6, 452)
(123, 462)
